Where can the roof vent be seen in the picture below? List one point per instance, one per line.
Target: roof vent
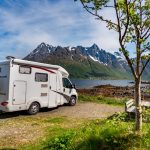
(10, 57)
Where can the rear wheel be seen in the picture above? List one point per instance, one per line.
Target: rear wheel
(72, 101)
(34, 108)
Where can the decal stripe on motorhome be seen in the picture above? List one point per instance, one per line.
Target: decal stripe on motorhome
(45, 69)
(64, 95)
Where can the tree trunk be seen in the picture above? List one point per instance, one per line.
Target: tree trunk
(138, 104)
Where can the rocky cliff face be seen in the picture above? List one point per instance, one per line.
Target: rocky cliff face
(85, 62)
(78, 57)
(78, 53)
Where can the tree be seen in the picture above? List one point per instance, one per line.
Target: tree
(132, 23)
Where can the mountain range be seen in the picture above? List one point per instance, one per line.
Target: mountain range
(83, 62)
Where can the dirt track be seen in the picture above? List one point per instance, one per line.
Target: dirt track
(81, 110)
(85, 110)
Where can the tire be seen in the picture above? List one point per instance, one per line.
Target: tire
(34, 108)
(72, 101)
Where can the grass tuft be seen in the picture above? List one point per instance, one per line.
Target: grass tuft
(56, 120)
(102, 99)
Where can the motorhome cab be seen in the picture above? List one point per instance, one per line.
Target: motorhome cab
(26, 85)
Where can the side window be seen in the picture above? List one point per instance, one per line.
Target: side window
(66, 83)
(24, 69)
(0, 69)
(41, 77)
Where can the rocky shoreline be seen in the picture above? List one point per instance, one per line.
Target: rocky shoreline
(116, 91)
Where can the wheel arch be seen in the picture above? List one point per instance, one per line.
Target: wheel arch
(33, 101)
(74, 96)
(37, 103)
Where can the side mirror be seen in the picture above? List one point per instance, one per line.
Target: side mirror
(73, 86)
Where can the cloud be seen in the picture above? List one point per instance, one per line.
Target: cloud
(25, 24)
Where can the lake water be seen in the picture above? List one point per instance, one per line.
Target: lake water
(86, 83)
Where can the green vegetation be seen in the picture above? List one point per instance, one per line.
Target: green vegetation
(101, 99)
(56, 120)
(116, 132)
(89, 69)
(63, 133)
(147, 91)
(146, 115)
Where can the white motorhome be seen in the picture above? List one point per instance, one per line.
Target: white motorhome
(26, 85)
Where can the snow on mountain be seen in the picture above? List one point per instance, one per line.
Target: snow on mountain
(70, 48)
(119, 56)
(94, 59)
(79, 53)
(41, 52)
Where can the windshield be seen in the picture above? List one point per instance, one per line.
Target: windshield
(67, 83)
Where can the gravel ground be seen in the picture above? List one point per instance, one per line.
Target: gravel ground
(85, 110)
(81, 110)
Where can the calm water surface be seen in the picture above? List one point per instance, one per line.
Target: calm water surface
(86, 83)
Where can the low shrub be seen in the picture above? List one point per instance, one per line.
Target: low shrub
(146, 115)
(62, 142)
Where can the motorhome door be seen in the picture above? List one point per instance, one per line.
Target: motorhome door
(67, 88)
(19, 92)
(4, 82)
(52, 91)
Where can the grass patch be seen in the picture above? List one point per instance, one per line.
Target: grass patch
(147, 91)
(102, 99)
(56, 120)
(113, 133)
(108, 134)
(146, 115)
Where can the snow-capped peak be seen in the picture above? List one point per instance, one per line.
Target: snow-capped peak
(119, 56)
(42, 44)
(94, 59)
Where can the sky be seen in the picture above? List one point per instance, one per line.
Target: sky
(24, 24)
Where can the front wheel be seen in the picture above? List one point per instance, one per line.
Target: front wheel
(34, 108)
(72, 101)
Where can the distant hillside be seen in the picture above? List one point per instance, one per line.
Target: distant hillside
(83, 62)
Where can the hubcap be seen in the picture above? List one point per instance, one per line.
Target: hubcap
(73, 101)
(34, 108)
